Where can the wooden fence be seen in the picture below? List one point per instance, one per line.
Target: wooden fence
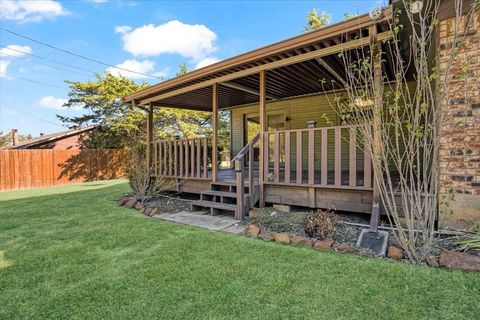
(21, 169)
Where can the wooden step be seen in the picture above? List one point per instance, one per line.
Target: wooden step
(199, 204)
(231, 183)
(220, 193)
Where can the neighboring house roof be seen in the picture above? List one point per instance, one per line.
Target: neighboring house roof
(48, 138)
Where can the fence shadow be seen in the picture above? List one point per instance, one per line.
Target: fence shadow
(94, 164)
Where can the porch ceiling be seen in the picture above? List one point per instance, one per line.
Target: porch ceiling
(238, 77)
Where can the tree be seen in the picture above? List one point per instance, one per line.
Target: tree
(349, 15)
(121, 125)
(408, 118)
(317, 20)
(118, 124)
(6, 139)
(182, 69)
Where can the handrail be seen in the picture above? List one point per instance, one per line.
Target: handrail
(247, 146)
(239, 161)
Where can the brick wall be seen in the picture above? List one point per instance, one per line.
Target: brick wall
(460, 138)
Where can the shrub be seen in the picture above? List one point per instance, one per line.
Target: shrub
(140, 177)
(321, 224)
(470, 240)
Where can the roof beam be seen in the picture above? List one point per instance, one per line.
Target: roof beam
(324, 64)
(271, 65)
(246, 89)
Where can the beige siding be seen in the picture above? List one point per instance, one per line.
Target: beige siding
(298, 110)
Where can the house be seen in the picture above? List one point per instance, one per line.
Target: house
(63, 140)
(289, 145)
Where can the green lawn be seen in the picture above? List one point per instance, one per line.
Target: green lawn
(70, 252)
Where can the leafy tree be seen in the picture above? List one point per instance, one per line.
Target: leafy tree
(6, 139)
(121, 125)
(183, 69)
(118, 124)
(317, 20)
(349, 15)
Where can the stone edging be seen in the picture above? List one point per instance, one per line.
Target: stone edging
(447, 259)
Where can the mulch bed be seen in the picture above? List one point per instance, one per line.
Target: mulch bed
(294, 222)
(169, 203)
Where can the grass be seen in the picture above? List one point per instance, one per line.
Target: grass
(70, 252)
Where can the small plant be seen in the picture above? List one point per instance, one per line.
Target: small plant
(140, 177)
(321, 224)
(470, 241)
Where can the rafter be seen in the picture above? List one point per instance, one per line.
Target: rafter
(272, 65)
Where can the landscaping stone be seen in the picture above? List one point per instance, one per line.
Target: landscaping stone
(255, 213)
(459, 260)
(147, 211)
(301, 241)
(282, 237)
(395, 253)
(266, 235)
(253, 231)
(324, 244)
(346, 248)
(122, 201)
(432, 261)
(139, 206)
(281, 208)
(153, 212)
(131, 203)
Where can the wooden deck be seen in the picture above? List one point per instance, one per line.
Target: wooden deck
(315, 167)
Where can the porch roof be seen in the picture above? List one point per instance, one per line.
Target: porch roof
(305, 64)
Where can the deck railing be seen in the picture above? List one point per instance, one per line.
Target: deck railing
(244, 169)
(181, 158)
(320, 157)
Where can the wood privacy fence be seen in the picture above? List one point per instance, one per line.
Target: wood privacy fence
(20, 169)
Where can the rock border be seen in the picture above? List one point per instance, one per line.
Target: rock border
(135, 203)
(446, 259)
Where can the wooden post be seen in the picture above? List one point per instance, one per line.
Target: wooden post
(240, 176)
(261, 168)
(149, 136)
(215, 132)
(376, 56)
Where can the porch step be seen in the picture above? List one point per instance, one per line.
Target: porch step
(199, 205)
(224, 194)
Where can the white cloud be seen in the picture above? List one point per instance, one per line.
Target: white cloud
(3, 68)
(14, 50)
(206, 62)
(52, 102)
(145, 66)
(122, 29)
(97, 1)
(189, 41)
(30, 11)
(9, 55)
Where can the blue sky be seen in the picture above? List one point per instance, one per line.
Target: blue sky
(150, 37)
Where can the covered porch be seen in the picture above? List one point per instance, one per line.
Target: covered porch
(309, 165)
